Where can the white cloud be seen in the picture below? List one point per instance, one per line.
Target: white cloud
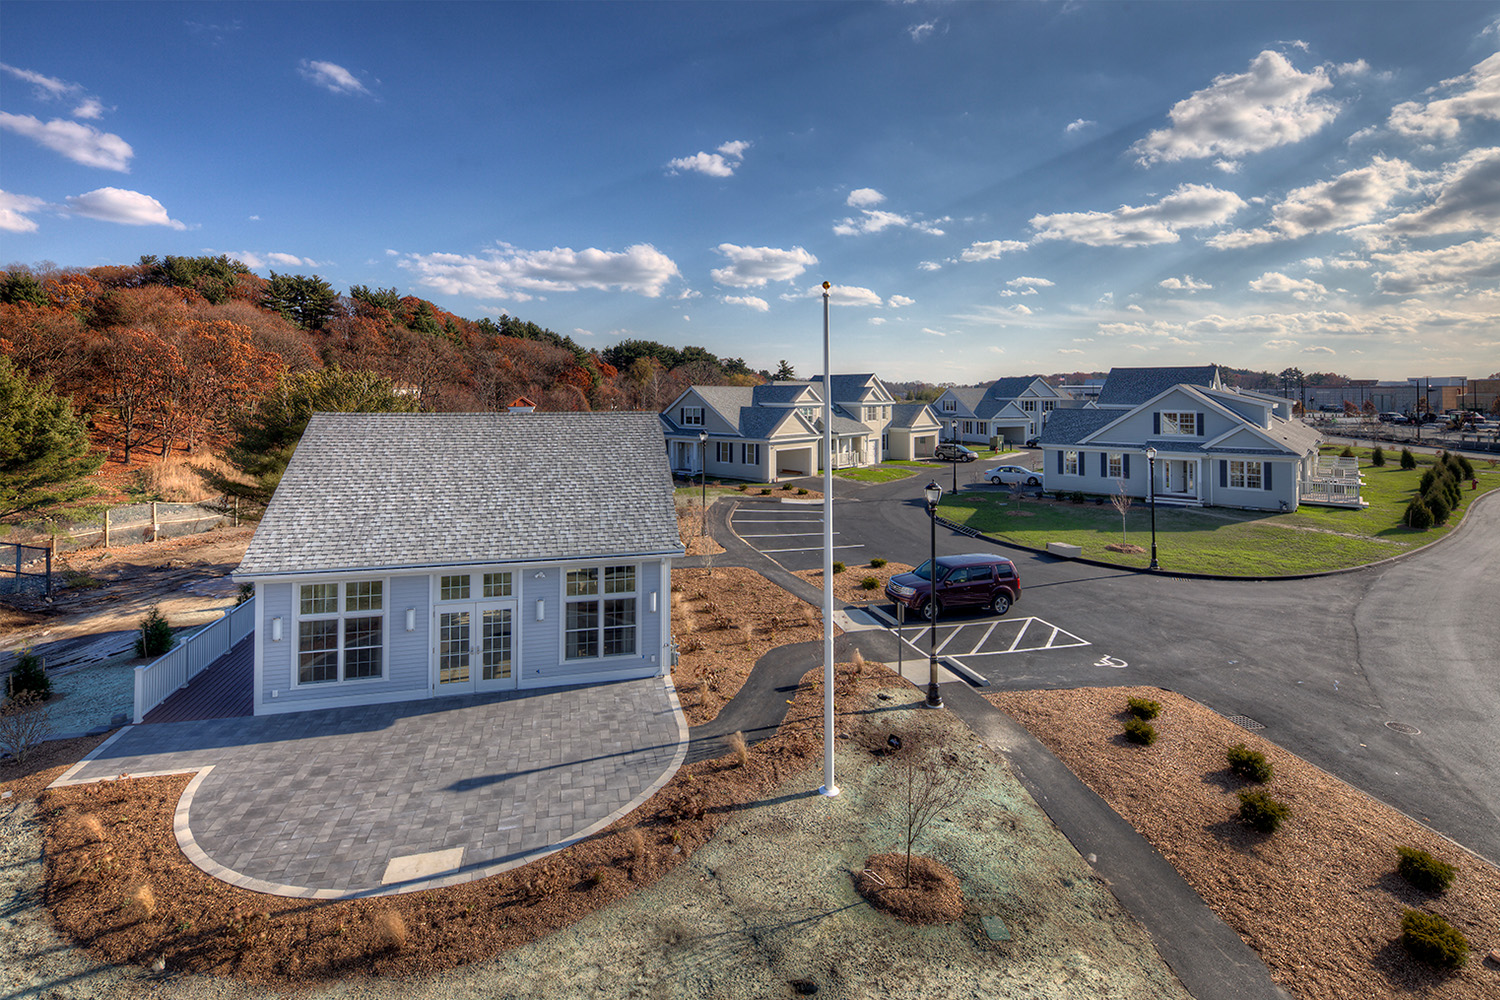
(877, 321)
(1271, 104)
(1186, 283)
(864, 198)
(932, 265)
(289, 260)
(1280, 345)
(1238, 239)
(753, 267)
(508, 272)
(839, 295)
(1455, 268)
(1190, 206)
(130, 208)
(899, 301)
(1069, 350)
(331, 77)
(1467, 199)
(1079, 124)
(933, 333)
(874, 220)
(1351, 198)
(989, 250)
(1029, 285)
(1019, 309)
(1356, 68)
(920, 31)
(80, 143)
(13, 211)
(1276, 283)
(89, 108)
(1316, 349)
(722, 163)
(1228, 166)
(1133, 308)
(1475, 94)
(47, 87)
(749, 301)
(995, 349)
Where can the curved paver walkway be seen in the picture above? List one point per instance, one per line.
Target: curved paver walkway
(394, 798)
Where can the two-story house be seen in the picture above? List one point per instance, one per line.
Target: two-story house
(1007, 411)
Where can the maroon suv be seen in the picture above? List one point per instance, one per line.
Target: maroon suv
(977, 579)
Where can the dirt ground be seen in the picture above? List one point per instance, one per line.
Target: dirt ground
(849, 586)
(1320, 899)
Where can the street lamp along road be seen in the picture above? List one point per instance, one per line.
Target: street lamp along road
(702, 481)
(1151, 477)
(934, 493)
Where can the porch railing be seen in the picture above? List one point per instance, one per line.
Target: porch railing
(155, 681)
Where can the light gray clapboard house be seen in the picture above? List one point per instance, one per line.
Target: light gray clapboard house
(1214, 446)
(410, 556)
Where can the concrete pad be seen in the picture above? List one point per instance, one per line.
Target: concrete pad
(916, 671)
(1065, 550)
(414, 866)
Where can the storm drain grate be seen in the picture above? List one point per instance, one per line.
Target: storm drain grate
(1245, 722)
(1402, 727)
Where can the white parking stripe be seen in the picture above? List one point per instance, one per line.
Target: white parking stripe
(951, 636)
(788, 534)
(987, 633)
(1025, 624)
(813, 548)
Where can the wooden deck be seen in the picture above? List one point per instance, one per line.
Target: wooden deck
(222, 690)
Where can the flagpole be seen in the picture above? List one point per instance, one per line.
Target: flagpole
(829, 788)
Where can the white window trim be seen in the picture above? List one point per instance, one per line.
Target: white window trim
(295, 637)
(1070, 463)
(1192, 416)
(724, 451)
(1116, 465)
(689, 413)
(564, 600)
(1244, 474)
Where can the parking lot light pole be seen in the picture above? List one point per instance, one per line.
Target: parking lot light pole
(1151, 477)
(702, 481)
(934, 493)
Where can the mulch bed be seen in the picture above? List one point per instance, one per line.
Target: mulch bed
(931, 896)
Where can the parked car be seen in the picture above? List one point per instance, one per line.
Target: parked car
(1033, 442)
(1010, 475)
(976, 579)
(951, 451)
(1393, 418)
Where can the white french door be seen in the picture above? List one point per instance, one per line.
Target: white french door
(475, 648)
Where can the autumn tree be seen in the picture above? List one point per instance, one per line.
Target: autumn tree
(43, 342)
(45, 459)
(266, 435)
(130, 372)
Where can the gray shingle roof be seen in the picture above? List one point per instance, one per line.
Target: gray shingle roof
(906, 414)
(1008, 388)
(1131, 386)
(1071, 426)
(367, 491)
(847, 388)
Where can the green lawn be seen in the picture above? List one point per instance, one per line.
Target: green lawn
(882, 473)
(1224, 540)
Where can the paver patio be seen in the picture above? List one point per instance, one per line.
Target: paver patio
(377, 799)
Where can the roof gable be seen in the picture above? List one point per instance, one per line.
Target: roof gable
(1132, 386)
(387, 491)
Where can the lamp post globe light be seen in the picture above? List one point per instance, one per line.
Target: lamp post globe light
(1151, 478)
(702, 481)
(934, 493)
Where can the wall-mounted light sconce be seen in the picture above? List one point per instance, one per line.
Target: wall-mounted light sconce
(411, 619)
(275, 629)
(653, 602)
(541, 610)
(540, 575)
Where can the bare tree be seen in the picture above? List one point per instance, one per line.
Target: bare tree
(1121, 503)
(24, 722)
(930, 785)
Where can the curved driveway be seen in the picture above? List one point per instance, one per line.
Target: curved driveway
(1323, 664)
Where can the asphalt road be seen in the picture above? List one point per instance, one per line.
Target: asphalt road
(1326, 665)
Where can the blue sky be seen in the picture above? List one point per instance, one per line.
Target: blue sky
(992, 189)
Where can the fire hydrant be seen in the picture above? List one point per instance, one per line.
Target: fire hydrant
(1473, 482)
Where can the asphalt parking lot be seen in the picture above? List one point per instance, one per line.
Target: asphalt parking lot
(791, 534)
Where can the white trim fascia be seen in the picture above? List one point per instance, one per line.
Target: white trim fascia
(416, 570)
(1143, 407)
(1258, 432)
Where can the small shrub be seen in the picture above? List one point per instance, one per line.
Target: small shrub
(245, 592)
(801, 491)
(1143, 708)
(24, 722)
(29, 675)
(1440, 506)
(838, 567)
(1078, 496)
(742, 487)
(786, 486)
(1348, 452)
(869, 583)
(1261, 812)
(1250, 764)
(1140, 731)
(143, 902)
(156, 634)
(736, 744)
(1424, 871)
(635, 842)
(766, 492)
(1424, 485)
(1408, 460)
(595, 877)
(877, 562)
(390, 931)
(1465, 467)
(1429, 938)
(1418, 515)
(1377, 457)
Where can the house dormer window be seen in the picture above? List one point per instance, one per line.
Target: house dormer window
(692, 416)
(950, 406)
(1188, 424)
(1028, 405)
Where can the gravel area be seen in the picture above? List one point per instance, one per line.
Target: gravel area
(91, 697)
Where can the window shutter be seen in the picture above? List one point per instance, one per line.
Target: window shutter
(1126, 460)
(1223, 472)
(1059, 461)
(1265, 474)
(1200, 425)
(1104, 463)
(1156, 422)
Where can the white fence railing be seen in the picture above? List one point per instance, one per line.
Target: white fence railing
(170, 671)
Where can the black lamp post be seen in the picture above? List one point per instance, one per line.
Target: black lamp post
(934, 493)
(702, 481)
(1151, 476)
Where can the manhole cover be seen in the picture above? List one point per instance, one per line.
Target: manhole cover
(1245, 722)
(1402, 727)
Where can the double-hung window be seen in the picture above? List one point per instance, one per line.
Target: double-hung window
(725, 451)
(750, 454)
(1179, 423)
(1245, 475)
(950, 406)
(692, 416)
(1028, 406)
(601, 612)
(1116, 465)
(1070, 463)
(340, 631)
